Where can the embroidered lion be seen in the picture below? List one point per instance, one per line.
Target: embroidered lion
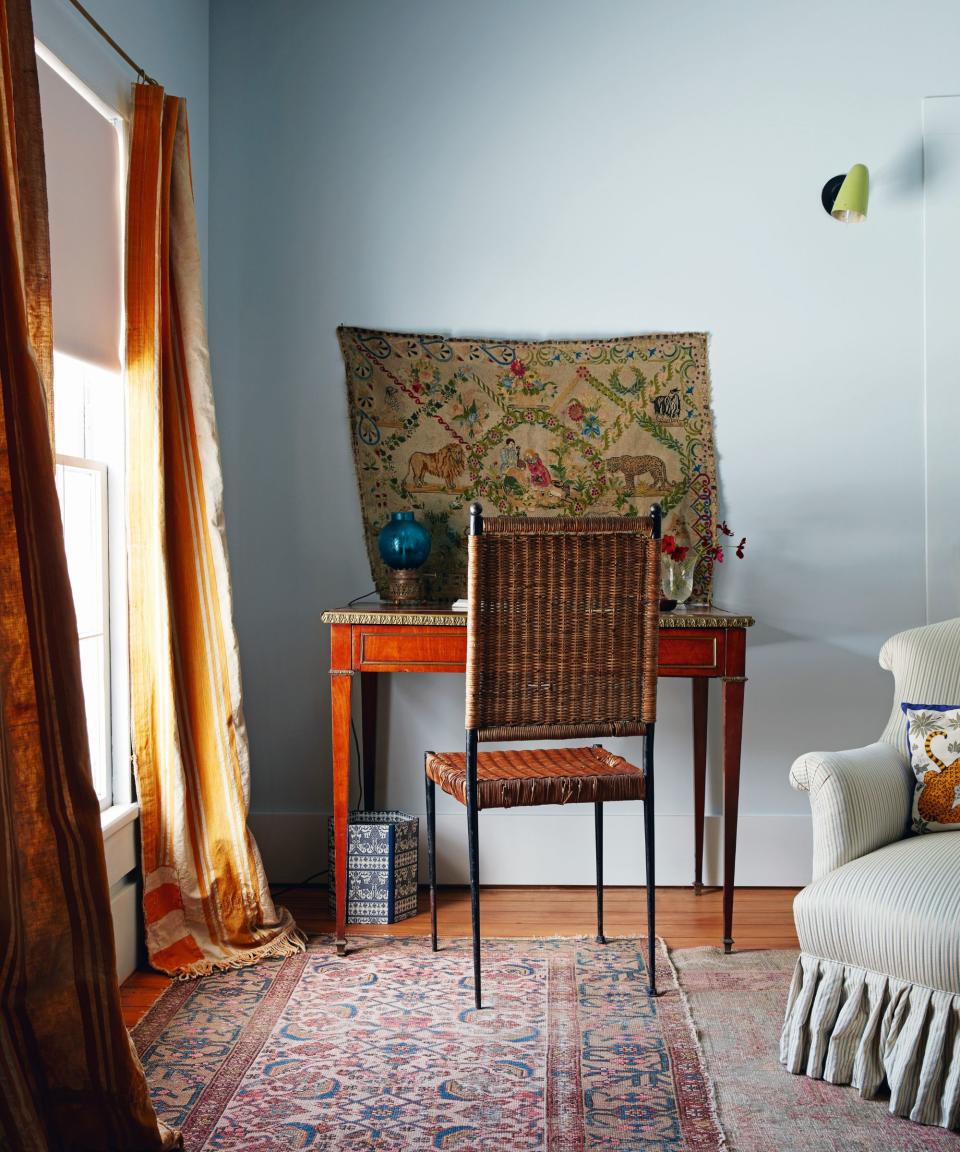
(939, 799)
(634, 466)
(445, 464)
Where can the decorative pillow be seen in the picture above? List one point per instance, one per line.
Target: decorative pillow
(933, 740)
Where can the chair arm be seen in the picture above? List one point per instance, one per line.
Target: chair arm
(860, 801)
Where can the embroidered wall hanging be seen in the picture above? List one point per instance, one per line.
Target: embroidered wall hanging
(559, 427)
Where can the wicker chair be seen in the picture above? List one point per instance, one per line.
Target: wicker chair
(561, 644)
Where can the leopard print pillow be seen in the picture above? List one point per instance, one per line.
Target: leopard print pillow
(933, 740)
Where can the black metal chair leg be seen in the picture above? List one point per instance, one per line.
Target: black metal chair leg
(432, 856)
(474, 849)
(598, 827)
(648, 812)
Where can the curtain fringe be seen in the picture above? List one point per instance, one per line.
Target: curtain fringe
(291, 943)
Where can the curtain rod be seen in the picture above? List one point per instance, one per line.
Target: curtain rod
(113, 44)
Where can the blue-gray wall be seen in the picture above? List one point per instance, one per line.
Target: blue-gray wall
(168, 38)
(559, 168)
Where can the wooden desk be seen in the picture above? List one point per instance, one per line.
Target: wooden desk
(375, 638)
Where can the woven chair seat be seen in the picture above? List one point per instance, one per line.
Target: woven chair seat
(528, 776)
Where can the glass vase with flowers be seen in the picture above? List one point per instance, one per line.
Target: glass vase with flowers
(678, 564)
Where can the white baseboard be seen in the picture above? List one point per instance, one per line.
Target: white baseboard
(123, 908)
(120, 849)
(552, 846)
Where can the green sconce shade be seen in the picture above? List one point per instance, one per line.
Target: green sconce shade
(845, 197)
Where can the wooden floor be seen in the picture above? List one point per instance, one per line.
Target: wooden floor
(763, 918)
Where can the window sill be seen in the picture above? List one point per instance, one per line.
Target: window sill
(113, 819)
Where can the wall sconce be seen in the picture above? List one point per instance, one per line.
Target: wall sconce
(845, 196)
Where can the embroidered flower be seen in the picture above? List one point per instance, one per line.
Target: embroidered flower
(518, 368)
(583, 371)
(591, 426)
(576, 411)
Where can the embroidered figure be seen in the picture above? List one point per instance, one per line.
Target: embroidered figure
(445, 464)
(509, 455)
(668, 404)
(634, 466)
(539, 472)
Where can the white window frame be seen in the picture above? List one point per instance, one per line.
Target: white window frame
(82, 464)
(124, 807)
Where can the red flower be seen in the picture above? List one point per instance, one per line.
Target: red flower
(518, 368)
(724, 529)
(417, 387)
(576, 411)
(668, 545)
(680, 553)
(740, 548)
(718, 553)
(583, 371)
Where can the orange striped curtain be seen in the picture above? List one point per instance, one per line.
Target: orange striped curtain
(68, 1076)
(206, 901)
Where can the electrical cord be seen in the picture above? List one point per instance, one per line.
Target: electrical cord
(325, 871)
(299, 884)
(356, 746)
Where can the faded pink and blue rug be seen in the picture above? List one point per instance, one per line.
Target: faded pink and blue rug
(382, 1050)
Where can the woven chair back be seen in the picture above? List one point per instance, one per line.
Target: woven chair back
(562, 627)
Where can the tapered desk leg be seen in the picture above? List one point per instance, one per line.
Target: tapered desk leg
(700, 697)
(368, 712)
(733, 687)
(341, 679)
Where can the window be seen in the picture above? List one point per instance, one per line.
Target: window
(82, 488)
(84, 159)
(88, 407)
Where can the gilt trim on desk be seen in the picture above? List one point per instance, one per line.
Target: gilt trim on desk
(446, 619)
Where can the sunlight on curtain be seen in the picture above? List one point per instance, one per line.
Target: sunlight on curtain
(206, 901)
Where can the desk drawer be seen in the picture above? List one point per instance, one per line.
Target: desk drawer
(385, 649)
(691, 652)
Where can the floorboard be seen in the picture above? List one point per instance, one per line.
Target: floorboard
(763, 918)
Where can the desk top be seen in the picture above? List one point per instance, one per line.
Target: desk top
(427, 615)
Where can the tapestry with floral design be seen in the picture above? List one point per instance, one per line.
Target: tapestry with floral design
(558, 427)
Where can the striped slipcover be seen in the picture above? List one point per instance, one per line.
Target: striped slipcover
(875, 999)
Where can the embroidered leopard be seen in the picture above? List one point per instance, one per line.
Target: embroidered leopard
(939, 799)
(633, 466)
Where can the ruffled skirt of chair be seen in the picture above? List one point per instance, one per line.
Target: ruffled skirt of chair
(847, 1025)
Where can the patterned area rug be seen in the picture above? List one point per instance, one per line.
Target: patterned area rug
(383, 1050)
(737, 1003)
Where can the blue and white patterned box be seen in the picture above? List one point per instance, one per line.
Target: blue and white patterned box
(382, 858)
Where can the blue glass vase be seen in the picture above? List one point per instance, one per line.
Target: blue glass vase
(404, 543)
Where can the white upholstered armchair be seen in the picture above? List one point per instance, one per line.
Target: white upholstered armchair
(875, 999)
